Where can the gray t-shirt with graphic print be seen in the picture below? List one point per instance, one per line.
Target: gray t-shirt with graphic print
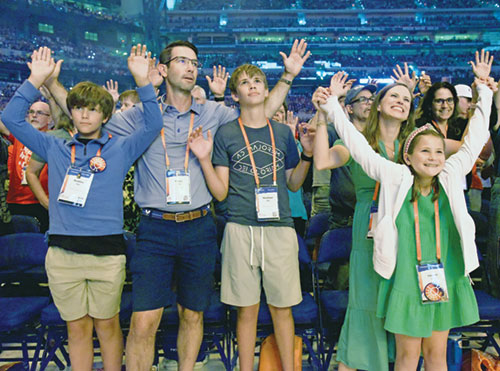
(230, 151)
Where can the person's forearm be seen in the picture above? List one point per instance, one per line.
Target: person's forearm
(298, 175)
(321, 146)
(3, 129)
(278, 94)
(59, 94)
(214, 183)
(37, 189)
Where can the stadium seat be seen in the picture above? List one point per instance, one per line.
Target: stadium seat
(19, 314)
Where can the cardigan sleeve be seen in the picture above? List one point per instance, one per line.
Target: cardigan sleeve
(376, 166)
(477, 135)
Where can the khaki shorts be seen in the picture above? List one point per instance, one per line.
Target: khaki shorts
(83, 284)
(273, 259)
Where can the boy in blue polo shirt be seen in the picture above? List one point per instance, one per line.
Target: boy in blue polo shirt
(86, 262)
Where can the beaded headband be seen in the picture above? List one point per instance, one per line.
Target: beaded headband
(414, 133)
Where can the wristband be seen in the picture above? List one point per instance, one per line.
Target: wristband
(219, 99)
(321, 123)
(288, 82)
(306, 158)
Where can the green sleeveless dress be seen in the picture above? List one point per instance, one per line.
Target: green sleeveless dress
(364, 344)
(399, 297)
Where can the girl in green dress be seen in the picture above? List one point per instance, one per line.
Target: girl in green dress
(422, 225)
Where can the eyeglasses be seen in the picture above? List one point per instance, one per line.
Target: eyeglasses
(184, 61)
(440, 101)
(363, 100)
(39, 113)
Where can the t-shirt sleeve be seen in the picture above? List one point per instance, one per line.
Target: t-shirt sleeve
(292, 154)
(226, 114)
(220, 156)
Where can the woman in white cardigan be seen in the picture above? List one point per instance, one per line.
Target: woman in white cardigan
(405, 191)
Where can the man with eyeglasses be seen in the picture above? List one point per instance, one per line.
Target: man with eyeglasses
(20, 198)
(358, 102)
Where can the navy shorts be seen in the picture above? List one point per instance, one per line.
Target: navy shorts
(164, 248)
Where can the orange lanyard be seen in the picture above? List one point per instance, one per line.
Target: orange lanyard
(250, 154)
(186, 159)
(374, 200)
(417, 231)
(98, 154)
(445, 134)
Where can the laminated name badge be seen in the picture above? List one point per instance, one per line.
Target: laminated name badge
(76, 186)
(432, 282)
(266, 203)
(178, 187)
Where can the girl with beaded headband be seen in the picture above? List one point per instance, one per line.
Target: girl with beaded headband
(423, 246)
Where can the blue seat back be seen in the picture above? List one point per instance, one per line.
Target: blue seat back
(335, 244)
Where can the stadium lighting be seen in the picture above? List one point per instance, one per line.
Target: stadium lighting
(301, 18)
(223, 20)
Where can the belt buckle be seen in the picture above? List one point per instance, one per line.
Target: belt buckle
(177, 215)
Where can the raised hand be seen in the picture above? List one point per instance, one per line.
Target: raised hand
(307, 134)
(298, 55)
(424, 83)
(404, 77)
(482, 67)
(154, 73)
(138, 64)
(112, 88)
(217, 84)
(320, 97)
(339, 84)
(201, 147)
(42, 65)
(291, 122)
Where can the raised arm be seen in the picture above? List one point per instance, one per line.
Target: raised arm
(56, 89)
(217, 178)
(42, 64)
(372, 163)
(217, 83)
(293, 64)
(296, 176)
(324, 156)
(478, 133)
(138, 63)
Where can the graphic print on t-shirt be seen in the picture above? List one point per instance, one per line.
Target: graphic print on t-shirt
(22, 163)
(263, 154)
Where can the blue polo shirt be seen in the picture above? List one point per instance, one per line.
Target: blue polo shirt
(150, 171)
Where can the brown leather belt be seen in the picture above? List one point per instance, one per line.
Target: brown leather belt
(177, 217)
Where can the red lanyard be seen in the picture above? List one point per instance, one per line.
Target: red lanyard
(186, 159)
(252, 160)
(98, 154)
(417, 231)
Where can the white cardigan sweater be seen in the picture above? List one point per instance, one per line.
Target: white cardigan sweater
(396, 180)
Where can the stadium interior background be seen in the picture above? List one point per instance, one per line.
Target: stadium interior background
(367, 38)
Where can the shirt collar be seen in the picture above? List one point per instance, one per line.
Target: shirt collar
(195, 106)
(102, 140)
